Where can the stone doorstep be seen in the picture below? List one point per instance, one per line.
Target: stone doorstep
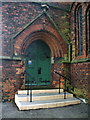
(40, 91)
(46, 104)
(42, 97)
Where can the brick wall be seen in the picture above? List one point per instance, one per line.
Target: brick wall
(74, 36)
(16, 15)
(63, 69)
(80, 75)
(12, 78)
(80, 72)
(55, 77)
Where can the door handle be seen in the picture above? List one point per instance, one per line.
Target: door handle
(39, 70)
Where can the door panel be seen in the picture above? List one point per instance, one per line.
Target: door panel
(38, 63)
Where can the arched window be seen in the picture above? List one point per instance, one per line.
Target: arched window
(80, 42)
(78, 30)
(88, 30)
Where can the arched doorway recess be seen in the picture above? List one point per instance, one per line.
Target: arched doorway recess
(38, 60)
(49, 39)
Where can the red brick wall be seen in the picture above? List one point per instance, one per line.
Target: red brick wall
(74, 35)
(12, 78)
(63, 69)
(80, 75)
(80, 72)
(55, 77)
(16, 15)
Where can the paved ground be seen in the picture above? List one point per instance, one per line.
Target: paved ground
(9, 110)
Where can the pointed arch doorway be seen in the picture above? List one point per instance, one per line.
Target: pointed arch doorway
(38, 62)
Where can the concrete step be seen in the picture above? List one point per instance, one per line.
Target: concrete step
(46, 104)
(42, 96)
(40, 91)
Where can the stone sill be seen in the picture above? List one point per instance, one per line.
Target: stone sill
(81, 60)
(9, 58)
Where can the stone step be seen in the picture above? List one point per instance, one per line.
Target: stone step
(42, 96)
(40, 91)
(46, 104)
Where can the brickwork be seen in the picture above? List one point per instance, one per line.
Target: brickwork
(63, 69)
(55, 77)
(74, 37)
(80, 74)
(15, 16)
(12, 78)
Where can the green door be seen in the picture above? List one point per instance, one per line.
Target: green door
(38, 59)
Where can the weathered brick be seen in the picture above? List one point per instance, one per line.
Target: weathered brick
(17, 15)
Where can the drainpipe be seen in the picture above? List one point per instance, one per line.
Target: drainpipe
(69, 52)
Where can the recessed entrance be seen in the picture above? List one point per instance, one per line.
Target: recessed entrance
(38, 60)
